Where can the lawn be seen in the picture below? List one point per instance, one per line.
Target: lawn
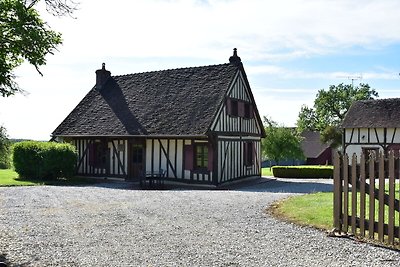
(312, 209)
(266, 172)
(10, 178)
(317, 209)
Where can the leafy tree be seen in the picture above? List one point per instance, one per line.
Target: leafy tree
(5, 149)
(25, 36)
(281, 142)
(329, 110)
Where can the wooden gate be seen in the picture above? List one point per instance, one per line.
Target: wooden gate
(366, 196)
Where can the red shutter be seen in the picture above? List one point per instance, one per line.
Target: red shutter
(210, 157)
(189, 155)
(228, 104)
(241, 109)
(251, 111)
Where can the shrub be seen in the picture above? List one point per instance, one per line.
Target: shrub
(44, 160)
(303, 171)
(5, 157)
(5, 149)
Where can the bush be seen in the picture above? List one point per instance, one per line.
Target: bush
(303, 171)
(5, 156)
(44, 160)
(5, 149)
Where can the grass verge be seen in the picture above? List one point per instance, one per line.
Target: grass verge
(10, 178)
(314, 210)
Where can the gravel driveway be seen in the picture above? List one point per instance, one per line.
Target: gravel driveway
(111, 225)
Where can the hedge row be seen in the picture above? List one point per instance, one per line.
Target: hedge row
(44, 160)
(303, 171)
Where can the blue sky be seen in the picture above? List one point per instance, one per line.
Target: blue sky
(290, 50)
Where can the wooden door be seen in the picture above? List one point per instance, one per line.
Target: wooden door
(136, 160)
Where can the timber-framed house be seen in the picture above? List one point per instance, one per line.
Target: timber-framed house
(372, 126)
(198, 124)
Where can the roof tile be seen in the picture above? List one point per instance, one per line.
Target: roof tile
(169, 102)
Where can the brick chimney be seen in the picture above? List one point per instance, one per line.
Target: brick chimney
(102, 76)
(235, 60)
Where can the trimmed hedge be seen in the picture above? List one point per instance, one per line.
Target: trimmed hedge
(44, 160)
(303, 171)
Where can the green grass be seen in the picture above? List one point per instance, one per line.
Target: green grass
(10, 178)
(266, 172)
(312, 209)
(316, 209)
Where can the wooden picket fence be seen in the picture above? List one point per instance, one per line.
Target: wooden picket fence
(366, 196)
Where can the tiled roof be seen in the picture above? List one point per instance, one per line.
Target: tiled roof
(312, 145)
(169, 102)
(373, 113)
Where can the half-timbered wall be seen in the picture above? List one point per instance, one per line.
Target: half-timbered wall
(357, 139)
(169, 154)
(116, 155)
(236, 124)
(231, 158)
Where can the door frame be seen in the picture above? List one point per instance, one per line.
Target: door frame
(131, 142)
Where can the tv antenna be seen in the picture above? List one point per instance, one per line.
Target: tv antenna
(353, 78)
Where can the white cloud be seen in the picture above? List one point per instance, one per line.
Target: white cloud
(183, 28)
(143, 35)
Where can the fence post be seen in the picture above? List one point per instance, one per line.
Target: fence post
(362, 180)
(354, 179)
(371, 217)
(381, 215)
(391, 216)
(337, 193)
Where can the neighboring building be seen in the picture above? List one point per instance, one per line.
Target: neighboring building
(315, 151)
(200, 125)
(371, 126)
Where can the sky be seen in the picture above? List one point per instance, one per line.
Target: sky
(290, 49)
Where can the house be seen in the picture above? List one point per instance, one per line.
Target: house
(371, 126)
(315, 151)
(199, 124)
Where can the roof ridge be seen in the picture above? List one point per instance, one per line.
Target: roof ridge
(182, 68)
(379, 99)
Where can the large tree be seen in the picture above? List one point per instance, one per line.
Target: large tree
(26, 37)
(281, 142)
(330, 107)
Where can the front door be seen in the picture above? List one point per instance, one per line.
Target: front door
(137, 160)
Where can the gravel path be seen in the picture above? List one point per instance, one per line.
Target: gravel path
(109, 225)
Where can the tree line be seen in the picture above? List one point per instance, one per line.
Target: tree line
(325, 116)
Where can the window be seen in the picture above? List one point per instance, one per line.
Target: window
(239, 108)
(201, 156)
(137, 153)
(97, 154)
(198, 157)
(248, 153)
(370, 151)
